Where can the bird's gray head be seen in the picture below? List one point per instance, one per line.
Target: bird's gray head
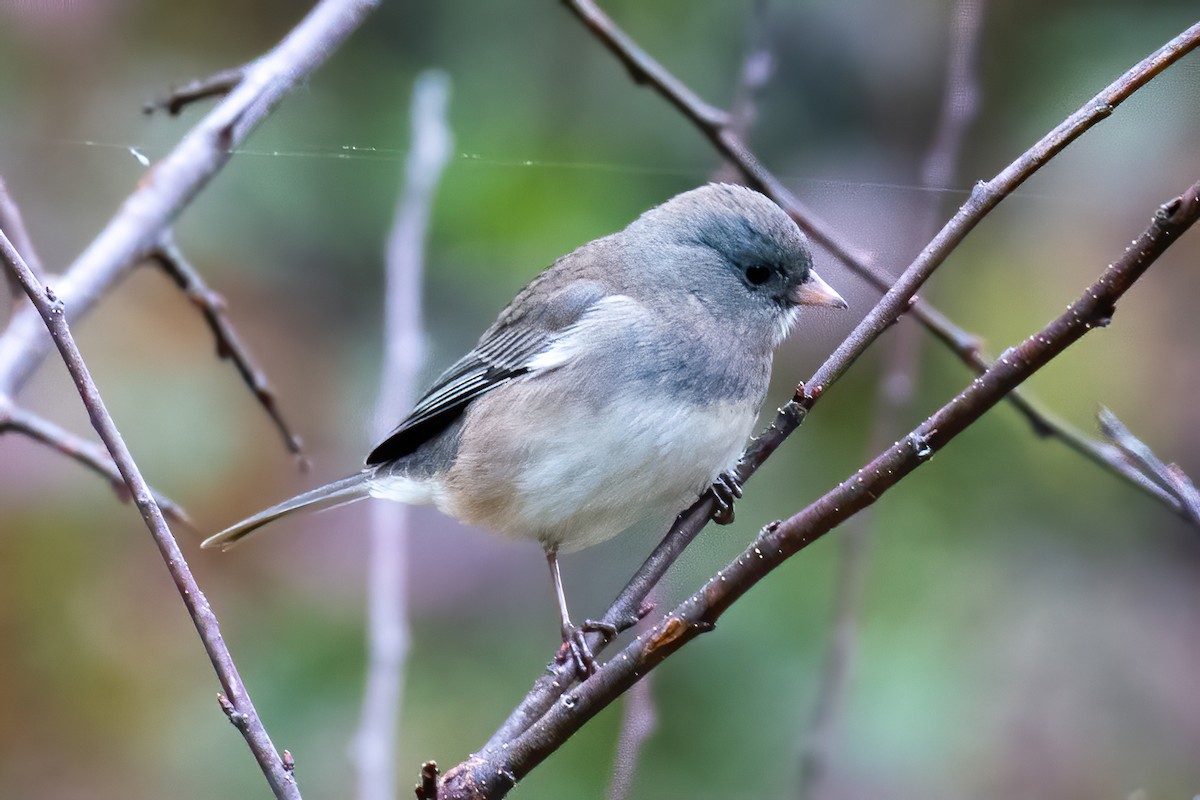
(737, 253)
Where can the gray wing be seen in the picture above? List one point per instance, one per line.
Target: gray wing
(524, 330)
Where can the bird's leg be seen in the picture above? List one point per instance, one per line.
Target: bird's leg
(725, 490)
(574, 644)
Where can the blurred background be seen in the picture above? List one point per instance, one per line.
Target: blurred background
(1030, 625)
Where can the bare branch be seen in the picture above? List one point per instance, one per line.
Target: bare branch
(179, 97)
(172, 183)
(724, 136)
(374, 745)
(96, 458)
(491, 773)
(757, 66)
(1142, 460)
(638, 723)
(756, 69)
(549, 687)
(13, 223)
(960, 102)
(1047, 424)
(49, 308)
(211, 305)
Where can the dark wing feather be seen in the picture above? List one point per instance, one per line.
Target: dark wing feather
(502, 354)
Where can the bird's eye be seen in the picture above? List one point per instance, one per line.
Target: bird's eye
(758, 274)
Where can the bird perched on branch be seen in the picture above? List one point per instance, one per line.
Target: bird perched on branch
(618, 386)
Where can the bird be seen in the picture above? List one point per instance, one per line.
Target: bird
(615, 389)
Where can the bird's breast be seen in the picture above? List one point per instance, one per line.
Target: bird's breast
(571, 469)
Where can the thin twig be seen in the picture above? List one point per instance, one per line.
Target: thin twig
(172, 183)
(96, 458)
(211, 305)
(895, 392)
(718, 128)
(639, 719)
(491, 774)
(1047, 424)
(179, 97)
(13, 223)
(757, 66)
(549, 687)
(960, 103)
(49, 308)
(1168, 477)
(374, 746)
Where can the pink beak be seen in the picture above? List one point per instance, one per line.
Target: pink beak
(816, 292)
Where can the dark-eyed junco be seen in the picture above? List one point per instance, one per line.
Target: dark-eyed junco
(619, 385)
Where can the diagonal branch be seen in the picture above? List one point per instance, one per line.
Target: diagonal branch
(1141, 459)
(758, 64)
(492, 773)
(722, 131)
(757, 67)
(987, 195)
(172, 183)
(12, 222)
(240, 709)
(179, 97)
(96, 458)
(639, 720)
(170, 258)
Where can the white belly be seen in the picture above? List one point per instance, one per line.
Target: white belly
(590, 479)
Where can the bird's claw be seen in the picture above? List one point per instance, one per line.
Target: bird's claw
(575, 648)
(725, 490)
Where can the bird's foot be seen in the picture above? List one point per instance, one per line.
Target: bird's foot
(725, 490)
(575, 646)
(575, 649)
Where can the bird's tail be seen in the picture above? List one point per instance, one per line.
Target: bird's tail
(338, 493)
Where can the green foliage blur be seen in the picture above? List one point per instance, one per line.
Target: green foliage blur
(1029, 623)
